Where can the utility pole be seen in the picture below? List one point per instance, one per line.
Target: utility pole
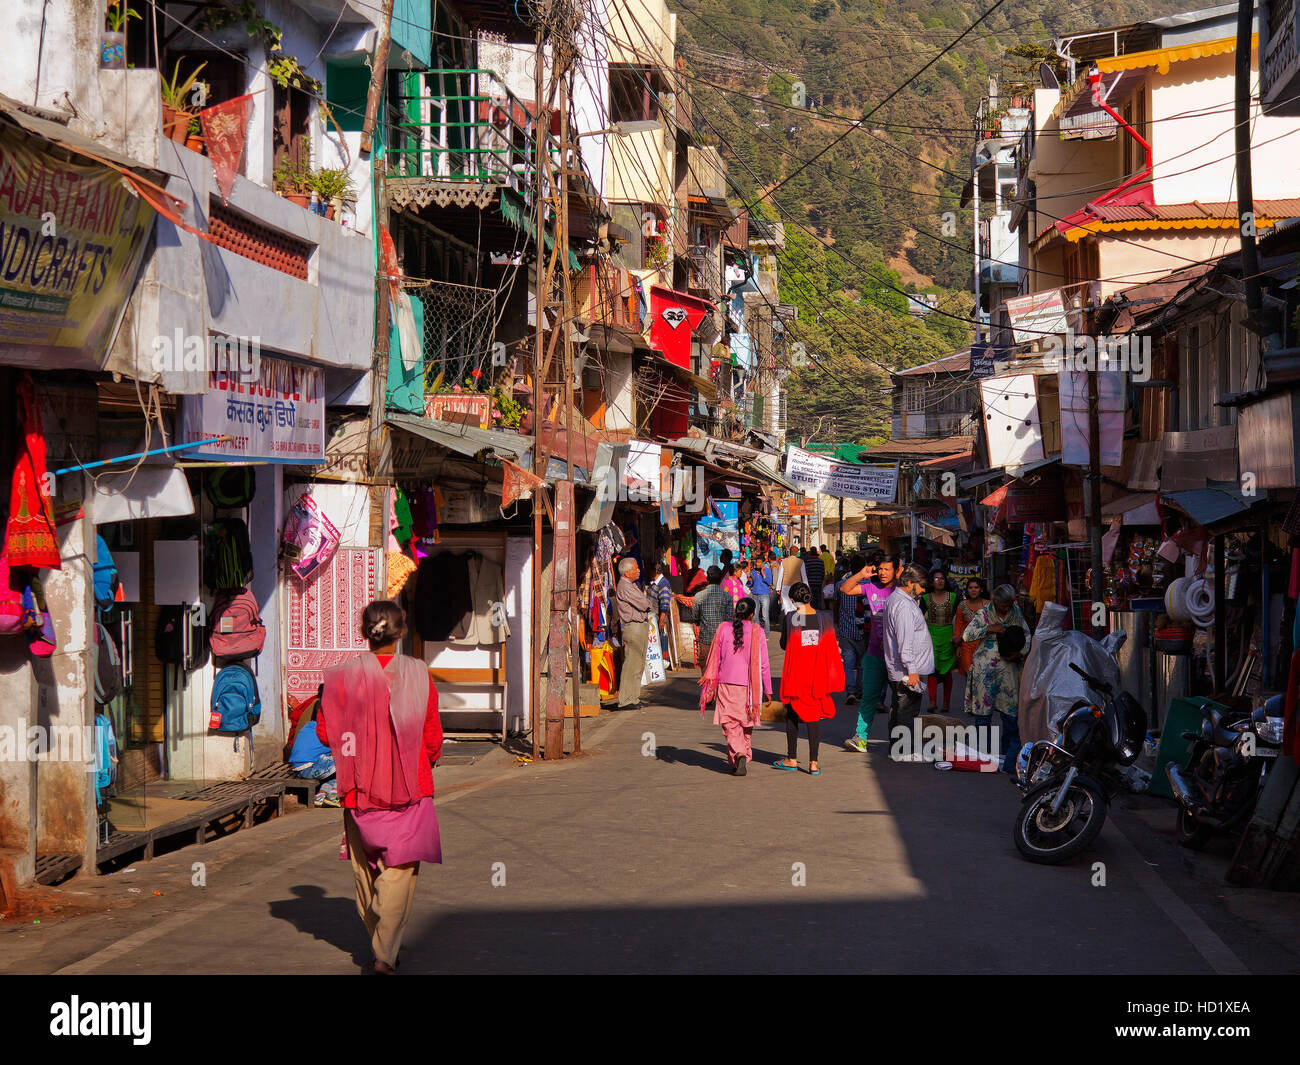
(1094, 496)
(557, 23)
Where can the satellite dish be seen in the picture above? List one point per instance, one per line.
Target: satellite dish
(1048, 76)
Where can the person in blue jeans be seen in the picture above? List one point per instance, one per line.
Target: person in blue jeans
(760, 576)
(850, 622)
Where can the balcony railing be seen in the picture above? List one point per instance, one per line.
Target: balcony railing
(706, 269)
(464, 126)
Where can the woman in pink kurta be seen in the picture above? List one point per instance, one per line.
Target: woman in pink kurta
(737, 677)
(379, 717)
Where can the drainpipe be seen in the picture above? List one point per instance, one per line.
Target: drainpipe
(1094, 81)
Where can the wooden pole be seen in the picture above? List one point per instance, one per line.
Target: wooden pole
(377, 72)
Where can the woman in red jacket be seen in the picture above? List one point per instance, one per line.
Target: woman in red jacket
(811, 673)
(379, 717)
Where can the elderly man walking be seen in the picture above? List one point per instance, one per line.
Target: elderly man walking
(633, 616)
(909, 651)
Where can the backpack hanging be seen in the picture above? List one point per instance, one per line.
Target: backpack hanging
(105, 757)
(105, 572)
(108, 667)
(236, 705)
(236, 631)
(230, 487)
(227, 556)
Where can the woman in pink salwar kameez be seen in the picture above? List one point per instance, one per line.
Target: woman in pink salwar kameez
(379, 717)
(737, 677)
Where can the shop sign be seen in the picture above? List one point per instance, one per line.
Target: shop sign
(460, 408)
(278, 418)
(73, 234)
(1037, 314)
(347, 452)
(1042, 502)
(845, 480)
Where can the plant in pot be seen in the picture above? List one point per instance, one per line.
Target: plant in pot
(175, 98)
(333, 187)
(194, 136)
(292, 182)
(112, 41)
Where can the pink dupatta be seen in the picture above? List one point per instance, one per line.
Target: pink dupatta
(709, 679)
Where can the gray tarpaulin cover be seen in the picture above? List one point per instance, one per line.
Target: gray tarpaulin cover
(1048, 686)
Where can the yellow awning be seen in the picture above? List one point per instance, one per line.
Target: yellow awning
(1077, 233)
(1161, 58)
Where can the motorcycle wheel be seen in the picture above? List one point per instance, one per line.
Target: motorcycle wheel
(1190, 832)
(1048, 838)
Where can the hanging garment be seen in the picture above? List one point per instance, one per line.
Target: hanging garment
(400, 569)
(442, 596)
(486, 622)
(406, 355)
(1043, 586)
(30, 539)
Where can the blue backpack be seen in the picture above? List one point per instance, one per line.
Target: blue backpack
(105, 575)
(105, 757)
(236, 705)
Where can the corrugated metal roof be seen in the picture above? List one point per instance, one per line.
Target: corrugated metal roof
(948, 445)
(1133, 212)
(957, 362)
(463, 439)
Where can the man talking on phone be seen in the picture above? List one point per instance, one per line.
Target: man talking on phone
(909, 651)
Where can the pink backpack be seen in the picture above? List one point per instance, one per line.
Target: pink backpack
(237, 630)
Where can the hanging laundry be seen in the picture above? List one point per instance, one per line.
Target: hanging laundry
(30, 539)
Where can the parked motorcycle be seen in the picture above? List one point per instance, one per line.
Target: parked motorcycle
(1226, 767)
(1069, 784)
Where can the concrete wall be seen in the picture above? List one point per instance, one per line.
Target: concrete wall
(201, 289)
(1145, 256)
(1193, 156)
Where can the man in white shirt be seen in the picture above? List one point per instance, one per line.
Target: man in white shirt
(909, 651)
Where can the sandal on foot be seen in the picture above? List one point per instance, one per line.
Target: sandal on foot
(781, 765)
(814, 772)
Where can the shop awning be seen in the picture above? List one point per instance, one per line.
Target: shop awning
(1208, 506)
(463, 439)
(683, 376)
(149, 492)
(1140, 508)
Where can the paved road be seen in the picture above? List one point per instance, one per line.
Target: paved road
(645, 855)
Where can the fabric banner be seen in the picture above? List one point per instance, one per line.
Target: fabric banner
(718, 532)
(224, 126)
(278, 418)
(518, 483)
(845, 480)
(73, 235)
(325, 617)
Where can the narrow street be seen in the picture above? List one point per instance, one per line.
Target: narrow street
(645, 855)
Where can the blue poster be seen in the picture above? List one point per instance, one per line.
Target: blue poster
(719, 531)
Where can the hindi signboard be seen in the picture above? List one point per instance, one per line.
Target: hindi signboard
(846, 480)
(280, 417)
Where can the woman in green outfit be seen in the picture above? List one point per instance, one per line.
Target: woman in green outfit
(939, 605)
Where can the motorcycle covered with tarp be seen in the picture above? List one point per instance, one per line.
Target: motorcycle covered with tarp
(1049, 688)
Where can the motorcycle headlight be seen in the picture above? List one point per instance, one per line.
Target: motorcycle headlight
(1270, 729)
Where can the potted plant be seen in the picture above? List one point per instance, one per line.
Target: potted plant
(194, 136)
(175, 96)
(333, 187)
(291, 182)
(112, 41)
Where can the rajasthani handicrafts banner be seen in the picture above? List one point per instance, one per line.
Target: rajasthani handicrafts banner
(847, 480)
(71, 238)
(279, 417)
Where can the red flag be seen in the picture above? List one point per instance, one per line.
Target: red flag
(224, 127)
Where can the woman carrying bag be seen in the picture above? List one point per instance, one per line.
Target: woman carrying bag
(736, 678)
